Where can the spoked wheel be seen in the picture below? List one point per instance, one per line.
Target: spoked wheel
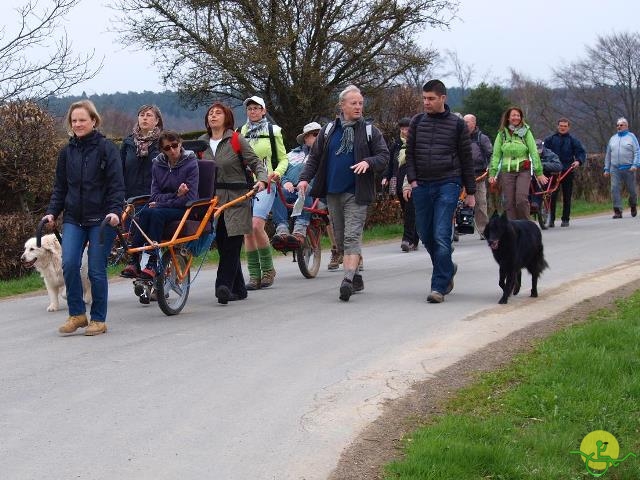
(172, 292)
(543, 214)
(308, 256)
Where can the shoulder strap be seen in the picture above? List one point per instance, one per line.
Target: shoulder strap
(274, 152)
(478, 140)
(368, 127)
(327, 129)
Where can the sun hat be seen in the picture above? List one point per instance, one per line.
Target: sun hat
(309, 127)
(254, 99)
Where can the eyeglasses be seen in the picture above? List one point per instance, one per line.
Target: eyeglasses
(254, 109)
(313, 134)
(171, 146)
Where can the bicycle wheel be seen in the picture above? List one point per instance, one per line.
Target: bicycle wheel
(308, 255)
(172, 292)
(543, 214)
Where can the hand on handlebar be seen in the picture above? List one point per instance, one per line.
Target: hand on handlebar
(259, 186)
(288, 186)
(542, 180)
(112, 219)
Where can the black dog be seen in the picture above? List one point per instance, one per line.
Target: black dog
(515, 244)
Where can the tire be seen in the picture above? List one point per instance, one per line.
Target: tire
(309, 257)
(543, 215)
(172, 293)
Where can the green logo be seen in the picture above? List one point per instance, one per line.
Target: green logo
(600, 450)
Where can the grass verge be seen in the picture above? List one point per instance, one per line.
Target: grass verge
(522, 422)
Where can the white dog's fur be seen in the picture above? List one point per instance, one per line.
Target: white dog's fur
(47, 260)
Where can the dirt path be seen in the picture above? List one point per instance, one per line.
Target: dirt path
(380, 443)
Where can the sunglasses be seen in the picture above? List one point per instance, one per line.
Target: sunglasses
(171, 146)
(621, 125)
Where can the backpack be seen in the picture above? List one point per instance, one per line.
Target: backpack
(237, 148)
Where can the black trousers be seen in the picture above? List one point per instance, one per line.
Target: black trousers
(409, 233)
(567, 191)
(229, 268)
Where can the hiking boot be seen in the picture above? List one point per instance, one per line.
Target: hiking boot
(634, 210)
(346, 290)
(300, 238)
(565, 223)
(253, 284)
(405, 246)
(435, 297)
(73, 323)
(358, 283)
(95, 328)
(336, 259)
(450, 286)
(617, 213)
(267, 278)
(223, 294)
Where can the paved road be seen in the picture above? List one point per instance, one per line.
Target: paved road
(273, 387)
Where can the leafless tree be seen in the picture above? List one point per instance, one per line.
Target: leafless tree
(604, 85)
(296, 54)
(38, 31)
(461, 72)
(536, 100)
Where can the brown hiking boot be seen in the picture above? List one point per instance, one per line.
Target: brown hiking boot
(336, 260)
(267, 278)
(253, 284)
(95, 328)
(73, 323)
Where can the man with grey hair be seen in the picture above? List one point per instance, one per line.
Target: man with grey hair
(481, 151)
(342, 162)
(620, 163)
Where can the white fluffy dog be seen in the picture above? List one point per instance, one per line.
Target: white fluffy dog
(47, 260)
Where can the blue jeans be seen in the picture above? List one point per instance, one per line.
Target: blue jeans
(628, 178)
(435, 204)
(73, 244)
(280, 214)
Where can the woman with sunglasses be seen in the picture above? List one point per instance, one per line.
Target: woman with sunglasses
(174, 182)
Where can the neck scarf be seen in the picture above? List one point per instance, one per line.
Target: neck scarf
(255, 129)
(346, 143)
(142, 141)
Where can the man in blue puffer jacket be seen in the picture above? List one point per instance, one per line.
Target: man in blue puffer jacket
(621, 162)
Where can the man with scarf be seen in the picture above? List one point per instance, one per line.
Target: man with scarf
(342, 163)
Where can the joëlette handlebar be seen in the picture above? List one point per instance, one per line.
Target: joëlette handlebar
(105, 223)
(39, 230)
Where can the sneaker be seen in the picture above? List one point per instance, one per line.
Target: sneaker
(130, 271)
(435, 297)
(617, 213)
(346, 290)
(450, 286)
(405, 246)
(336, 259)
(223, 294)
(253, 284)
(565, 223)
(300, 230)
(358, 283)
(95, 328)
(282, 229)
(634, 210)
(73, 323)
(267, 278)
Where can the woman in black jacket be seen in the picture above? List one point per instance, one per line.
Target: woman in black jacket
(139, 149)
(89, 188)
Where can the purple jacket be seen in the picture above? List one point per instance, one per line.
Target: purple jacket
(166, 180)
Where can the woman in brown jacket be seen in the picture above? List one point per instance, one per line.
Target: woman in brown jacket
(231, 183)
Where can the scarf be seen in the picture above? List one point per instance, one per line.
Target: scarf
(143, 141)
(255, 129)
(402, 154)
(346, 143)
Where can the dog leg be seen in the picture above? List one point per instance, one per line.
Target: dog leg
(518, 282)
(508, 287)
(52, 291)
(86, 288)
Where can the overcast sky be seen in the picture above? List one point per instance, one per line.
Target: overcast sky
(492, 35)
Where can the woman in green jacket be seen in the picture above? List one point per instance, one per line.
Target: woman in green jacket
(515, 158)
(261, 136)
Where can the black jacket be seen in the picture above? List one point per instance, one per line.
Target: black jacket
(439, 148)
(137, 170)
(567, 147)
(89, 182)
(316, 164)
